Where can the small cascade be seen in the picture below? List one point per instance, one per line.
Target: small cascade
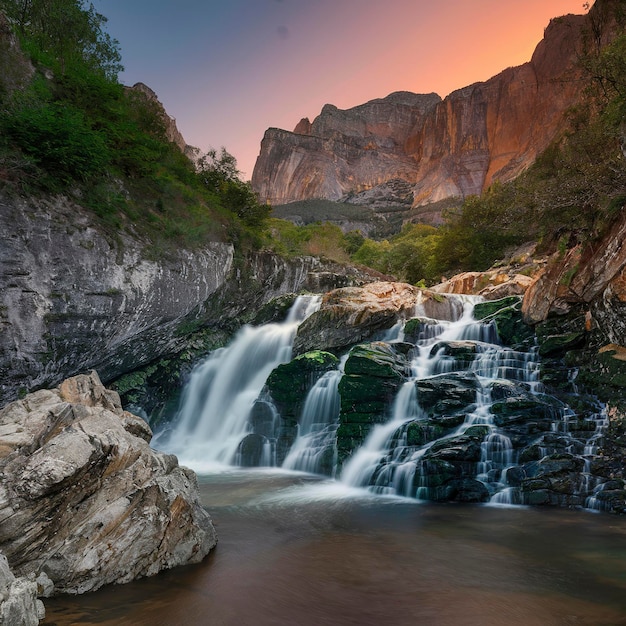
(386, 463)
(317, 427)
(386, 443)
(215, 408)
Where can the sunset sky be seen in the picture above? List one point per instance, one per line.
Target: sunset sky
(229, 69)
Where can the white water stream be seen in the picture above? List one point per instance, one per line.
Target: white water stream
(215, 414)
(217, 401)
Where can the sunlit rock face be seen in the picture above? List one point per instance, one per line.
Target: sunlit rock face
(342, 151)
(444, 148)
(84, 500)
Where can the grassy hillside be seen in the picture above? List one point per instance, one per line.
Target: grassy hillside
(67, 126)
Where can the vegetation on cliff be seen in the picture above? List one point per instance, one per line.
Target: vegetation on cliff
(68, 126)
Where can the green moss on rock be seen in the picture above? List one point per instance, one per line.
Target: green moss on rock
(290, 382)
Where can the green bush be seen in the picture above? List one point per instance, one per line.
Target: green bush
(59, 139)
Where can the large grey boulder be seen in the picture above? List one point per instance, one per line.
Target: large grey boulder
(83, 497)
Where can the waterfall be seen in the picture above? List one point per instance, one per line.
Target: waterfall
(386, 464)
(216, 403)
(317, 427)
(466, 418)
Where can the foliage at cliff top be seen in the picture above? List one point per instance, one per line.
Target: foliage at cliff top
(68, 126)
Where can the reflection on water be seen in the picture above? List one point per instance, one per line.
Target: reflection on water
(294, 550)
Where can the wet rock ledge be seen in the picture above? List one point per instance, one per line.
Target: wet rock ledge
(84, 500)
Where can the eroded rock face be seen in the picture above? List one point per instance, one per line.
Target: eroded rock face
(444, 148)
(348, 316)
(19, 605)
(85, 500)
(73, 298)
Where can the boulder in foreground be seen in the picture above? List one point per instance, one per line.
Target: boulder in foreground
(84, 499)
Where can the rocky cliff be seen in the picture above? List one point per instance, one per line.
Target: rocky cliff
(74, 296)
(444, 148)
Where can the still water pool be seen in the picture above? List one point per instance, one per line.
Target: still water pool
(296, 550)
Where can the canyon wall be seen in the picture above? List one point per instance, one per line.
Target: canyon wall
(444, 148)
(75, 296)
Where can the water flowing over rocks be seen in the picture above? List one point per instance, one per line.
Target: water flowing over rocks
(350, 315)
(84, 500)
(452, 398)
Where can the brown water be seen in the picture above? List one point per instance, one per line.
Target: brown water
(295, 551)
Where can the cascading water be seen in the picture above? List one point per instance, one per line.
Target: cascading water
(386, 464)
(317, 427)
(470, 422)
(216, 404)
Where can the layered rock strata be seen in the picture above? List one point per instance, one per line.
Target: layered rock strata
(85, 500)
(443, 148)
(74, 297)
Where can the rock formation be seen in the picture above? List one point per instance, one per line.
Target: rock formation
(19, 605)
(444, 148)
(74, 297)
(84, 499)
(350, 315)
(169, 123)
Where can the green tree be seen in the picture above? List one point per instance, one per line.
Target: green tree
(218, 173)
(70, 31)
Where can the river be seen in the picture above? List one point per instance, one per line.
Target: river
(294, 549)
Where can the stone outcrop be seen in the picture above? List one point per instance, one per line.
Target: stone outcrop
(586, 274)
(169, 123)
(443, 148)
(492, 285)
(354, 314)
(85, 500)
(73, 297)
(19, 605)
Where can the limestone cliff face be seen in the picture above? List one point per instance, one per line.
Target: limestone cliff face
(444, 148)
(72, 298)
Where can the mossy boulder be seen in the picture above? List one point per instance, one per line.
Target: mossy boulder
(507, 316)
(464, 352)
(420, 432)
(373, 375)
(275, 310)
(558, 345)
(289, 383)
(417, 328)
(377, 359)
(460, 449)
